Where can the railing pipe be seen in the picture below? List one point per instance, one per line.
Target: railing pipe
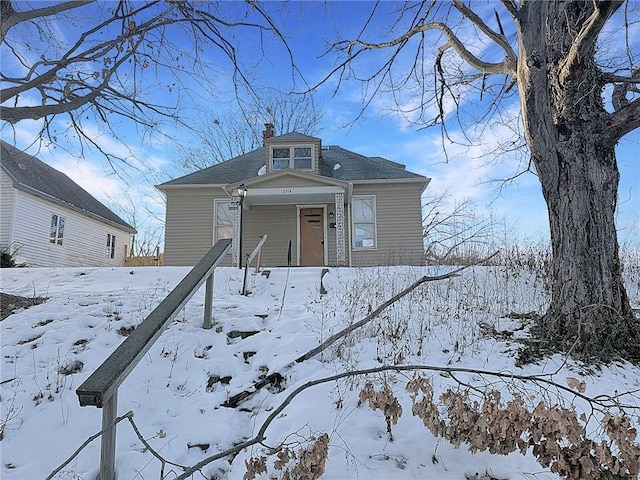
(101, 388)
(256, 251)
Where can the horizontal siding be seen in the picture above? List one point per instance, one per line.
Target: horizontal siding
(189, 224)
(190, 215)
(280, 224)
(85, 239)
(7, 193)
(399, 225)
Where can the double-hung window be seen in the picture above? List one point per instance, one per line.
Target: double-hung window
(56, 234)
(223, 220)
(364, 221)
(299, 158)
(111, 246)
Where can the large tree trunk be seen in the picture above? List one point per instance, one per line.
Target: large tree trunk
(564, 116)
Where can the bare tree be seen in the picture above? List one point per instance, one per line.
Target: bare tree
(84, 61)
(546, 53)
(221, 137)
(455, 232)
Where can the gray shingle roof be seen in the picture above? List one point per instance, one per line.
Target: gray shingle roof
(353, 167)
(33, 175)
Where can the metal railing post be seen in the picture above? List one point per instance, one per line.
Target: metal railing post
(101, 388)
(208, 304)
(108, 442)
(258, 261)
(256, 251)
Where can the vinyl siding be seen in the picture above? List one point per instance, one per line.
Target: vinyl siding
(85, 239)
(280, 225)
(190, 215)
(398, 222)
(189, 224)
(7, 194)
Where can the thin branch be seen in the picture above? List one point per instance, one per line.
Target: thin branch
(233, 401)
(87, 442)
(498, 38)
(11, 17)
(260, 436)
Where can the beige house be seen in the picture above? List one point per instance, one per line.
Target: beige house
(318, 205)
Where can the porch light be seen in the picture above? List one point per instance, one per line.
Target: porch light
(242, 192)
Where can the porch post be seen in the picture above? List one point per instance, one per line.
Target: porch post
(339, 199)
(235, 247)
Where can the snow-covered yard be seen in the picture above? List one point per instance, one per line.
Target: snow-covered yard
(177, 392)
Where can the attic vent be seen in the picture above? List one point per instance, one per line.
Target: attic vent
(337, 166)
(326, 148)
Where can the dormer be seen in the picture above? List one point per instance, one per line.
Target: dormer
(293, 151)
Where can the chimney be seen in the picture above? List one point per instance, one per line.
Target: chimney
(267, 133)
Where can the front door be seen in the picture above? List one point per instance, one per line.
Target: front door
(311, 237)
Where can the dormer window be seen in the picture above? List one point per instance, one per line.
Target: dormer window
(299, 158)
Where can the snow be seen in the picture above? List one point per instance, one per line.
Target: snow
(180, 416)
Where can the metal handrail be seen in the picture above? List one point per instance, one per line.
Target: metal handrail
(256, 251)
(101, 388)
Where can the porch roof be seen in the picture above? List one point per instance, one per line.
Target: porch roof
(314, 188)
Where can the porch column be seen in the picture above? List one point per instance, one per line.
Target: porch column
(340, 256)
(235, 243)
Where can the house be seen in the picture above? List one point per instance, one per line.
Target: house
(47, 220)
(318, 205)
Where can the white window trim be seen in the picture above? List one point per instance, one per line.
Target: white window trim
(291, 158)
(58, 239)
(375, 224)
(215, 216)
(111, 246)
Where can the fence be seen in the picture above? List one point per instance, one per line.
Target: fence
(156, 260)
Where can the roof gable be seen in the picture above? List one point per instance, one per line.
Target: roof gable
(292, 137)
(312, 177)
(34, 176)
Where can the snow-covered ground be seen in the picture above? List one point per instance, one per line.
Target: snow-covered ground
(50, 349)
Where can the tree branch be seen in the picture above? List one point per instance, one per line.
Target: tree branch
(621, 122)
(588, 35)
(10, 17)
(510, 57)
(236, 399)
(604, 402)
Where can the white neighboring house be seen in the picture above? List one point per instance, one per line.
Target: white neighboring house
(47, 220)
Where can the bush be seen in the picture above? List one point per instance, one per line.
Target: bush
(8, 259)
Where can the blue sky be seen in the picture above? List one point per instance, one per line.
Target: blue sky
(466, 171)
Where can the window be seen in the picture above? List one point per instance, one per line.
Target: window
(224, 211)
(57, 229)
(111, 245)
(281, 158)
(302, 158)
(364, 221)
(292, 157)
